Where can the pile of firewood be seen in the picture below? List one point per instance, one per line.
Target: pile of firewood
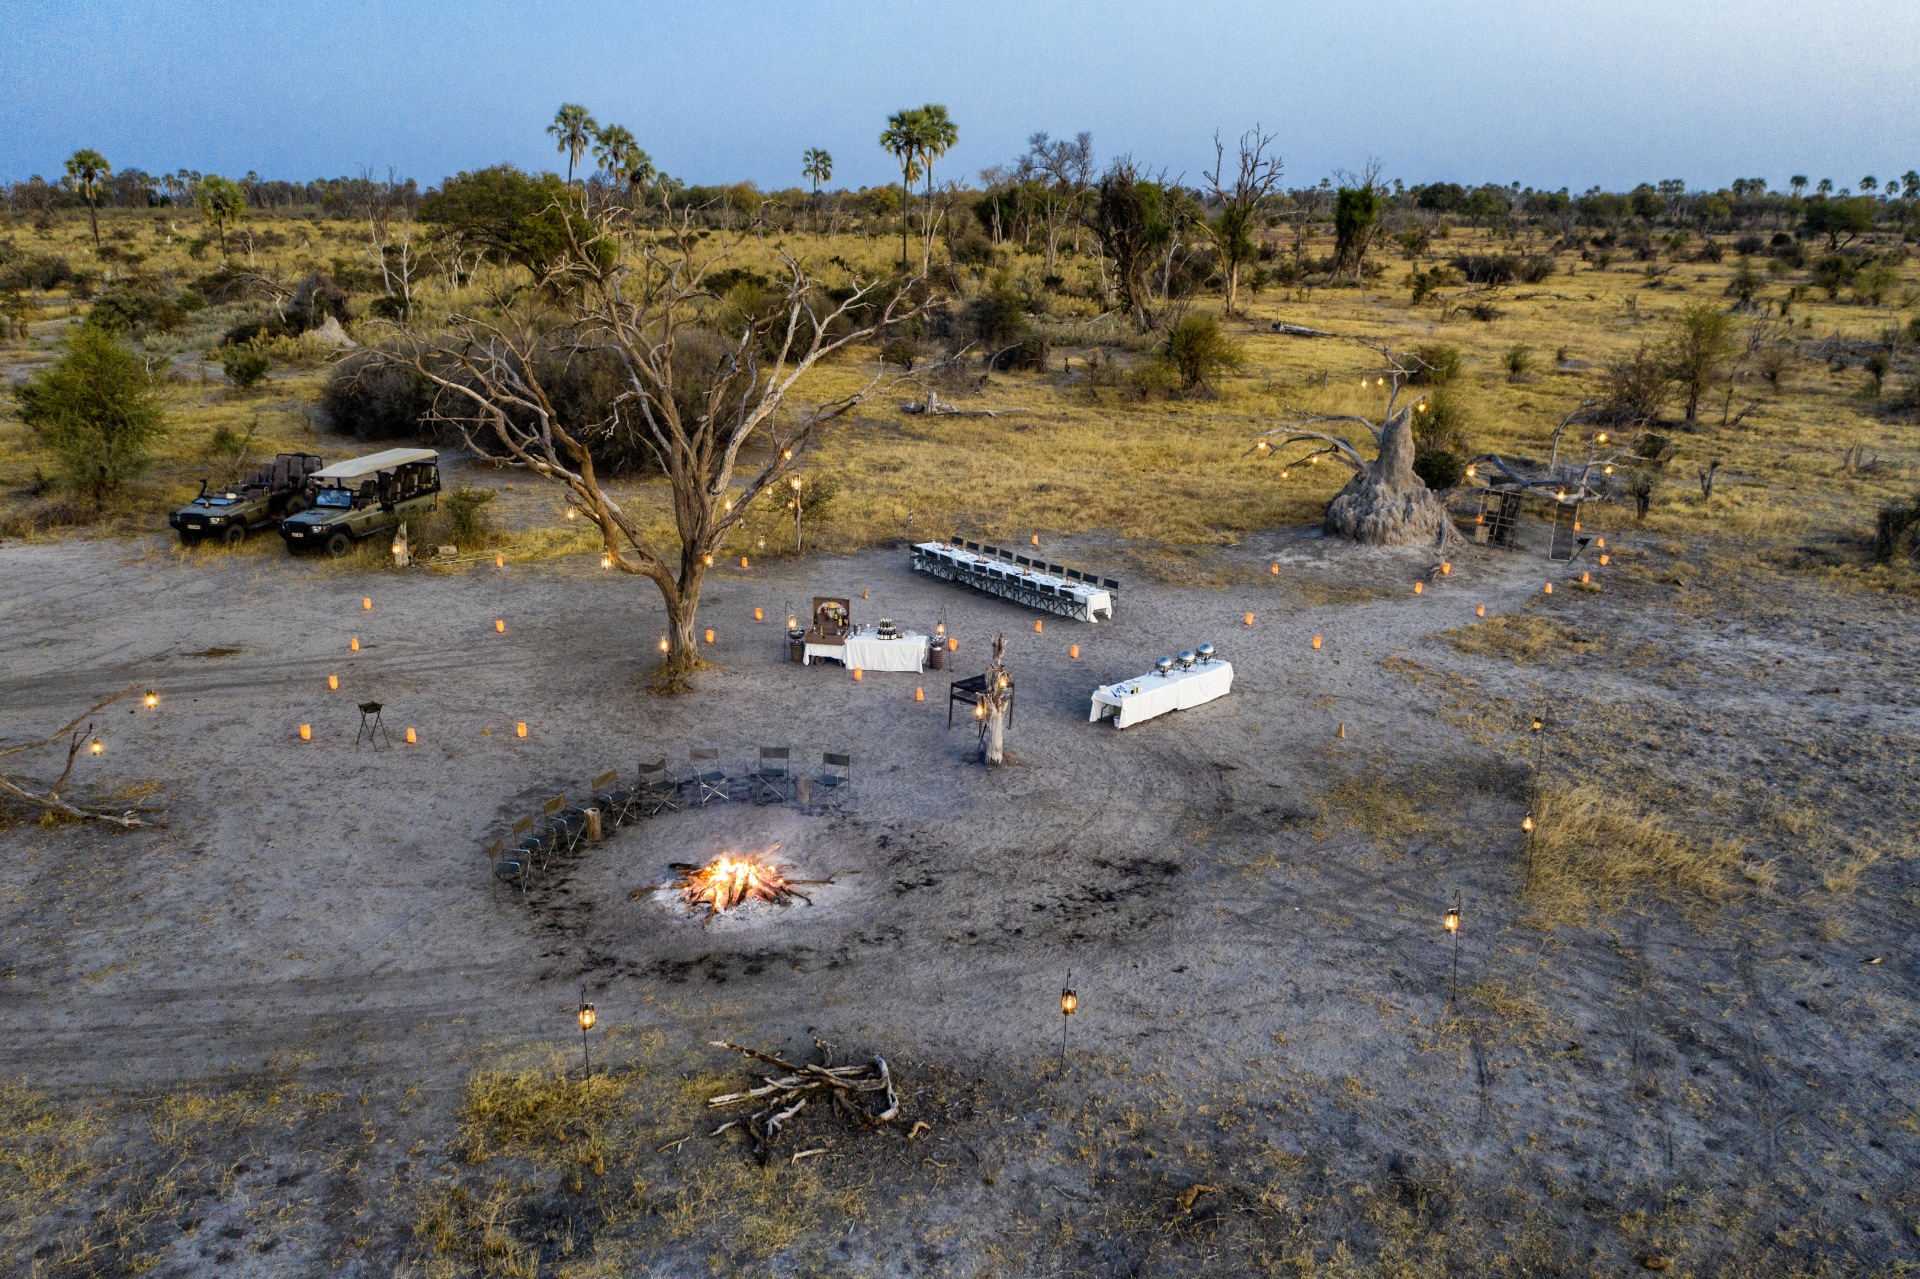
(844, 1088)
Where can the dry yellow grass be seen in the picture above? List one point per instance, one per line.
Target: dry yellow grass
(1523, 637)
(1595, 851)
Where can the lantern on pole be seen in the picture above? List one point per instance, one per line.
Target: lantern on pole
(1069, 1005)
(586, 1017)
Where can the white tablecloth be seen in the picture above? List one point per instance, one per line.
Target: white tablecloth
(866, 650)
(1092, 596)
(1175, 691)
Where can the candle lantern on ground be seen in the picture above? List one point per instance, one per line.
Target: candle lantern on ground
(153, 699)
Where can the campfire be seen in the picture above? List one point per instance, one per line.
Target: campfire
(726, 882)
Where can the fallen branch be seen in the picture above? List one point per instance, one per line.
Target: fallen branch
(1300, 331)
(842, 1087)
(932, 406)
(47, 798)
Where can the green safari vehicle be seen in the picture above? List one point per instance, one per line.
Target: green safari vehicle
(266, 494)
(364, 496)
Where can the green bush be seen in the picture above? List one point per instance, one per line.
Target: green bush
(1438, 468)
(129, 309)
(245, 367)
(1437, 365)
(97, 410)
(1519, 361)
(1199, 349)
(1442, 428)
(465, 509)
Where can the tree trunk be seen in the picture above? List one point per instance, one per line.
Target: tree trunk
(682, 657)
(996, 736)
(1387, 504)
(1233, 284)
(94, 218)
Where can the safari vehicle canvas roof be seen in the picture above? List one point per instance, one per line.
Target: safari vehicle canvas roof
(355, 467)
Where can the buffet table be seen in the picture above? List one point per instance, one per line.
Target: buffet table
(867, 651)
(1133, 700)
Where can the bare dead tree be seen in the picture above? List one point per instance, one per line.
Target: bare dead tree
(709, 391)
(1059, 172)
(994, 703)
(1385, 503)
(1255, 175)
(74, 735)
(389, 209)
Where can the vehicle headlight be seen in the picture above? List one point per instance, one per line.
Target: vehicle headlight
(216, 519)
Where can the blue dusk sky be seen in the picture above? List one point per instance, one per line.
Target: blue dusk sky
(1549, 93)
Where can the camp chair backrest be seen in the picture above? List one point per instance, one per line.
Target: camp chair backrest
(1021, 559)
(554, 805)
(1056, 570)
(606, 780)
(836, 761)
(774, 752)
(658, 766)
(522, 825)
(1110, 584)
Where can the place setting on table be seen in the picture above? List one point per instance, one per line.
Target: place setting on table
(1018, 577)
(1196, 676)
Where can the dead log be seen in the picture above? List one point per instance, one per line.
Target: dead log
(844, 1088)
(46, 797)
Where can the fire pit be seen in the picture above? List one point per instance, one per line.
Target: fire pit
(727, 882)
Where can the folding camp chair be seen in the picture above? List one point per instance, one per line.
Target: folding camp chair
(654, 790)
(709, 779)
(774, 777)
(529, 843)
(567, 825)
(836, 774)
(513, 867)
(615, 802)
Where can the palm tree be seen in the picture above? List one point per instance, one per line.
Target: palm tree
(611, 147)
(1799, 184)
(902, 139)
(938, 133)
(85, 170)
(816, 165)
(574, 128)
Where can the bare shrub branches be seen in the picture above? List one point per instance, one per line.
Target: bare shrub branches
(47, 798)
(843, 1088)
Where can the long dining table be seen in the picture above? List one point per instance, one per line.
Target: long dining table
(1024, 584)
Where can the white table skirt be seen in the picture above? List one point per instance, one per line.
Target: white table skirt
(1176, 691)
(871, 653)
(1091, 596)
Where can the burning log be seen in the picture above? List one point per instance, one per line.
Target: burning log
(726, 882)
(842, 1087)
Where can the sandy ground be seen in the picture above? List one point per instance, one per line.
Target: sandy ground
(325, 907)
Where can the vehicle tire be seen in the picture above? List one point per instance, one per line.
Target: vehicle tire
(235, 534)
(339, 544)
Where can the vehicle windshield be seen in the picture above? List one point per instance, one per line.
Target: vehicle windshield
(339, 499)
(219, 499)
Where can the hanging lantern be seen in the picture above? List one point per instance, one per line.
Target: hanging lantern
(306, 732)
(411, 739)
(606, 561)
(333, 681)
(919, 694)
(1453, 920)
(979, 711)
(500, 625)
(1480, 611)
(858, 674)
(1073, 651)
(1606, 470)
(587, 1017)
(759, 616)
(1526, 823)
(572, 514)
(367, 602)
(1316, 643)
(663, 643)
(707, 560)
(1069, 1002)
(520, 729)
(1002, 682)
(1538, 723)
(1471, 472)
(94, 747)
(940, 628)
(793, 623)
(1600, 438)
(1283, 475)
